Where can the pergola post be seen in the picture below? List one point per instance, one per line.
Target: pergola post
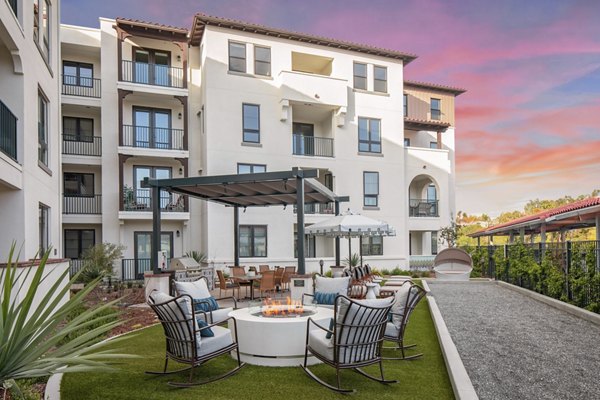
(236, 236)
(300, 223)
(337, 239)
(155, 244)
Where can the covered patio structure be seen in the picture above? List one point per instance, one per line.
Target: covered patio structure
(281, 188)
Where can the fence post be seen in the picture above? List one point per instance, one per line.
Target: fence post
(567, 269)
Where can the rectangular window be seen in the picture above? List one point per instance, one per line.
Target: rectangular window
(310, 246)
(77, 184)
(77, 241)
(152, 129)
(46, 28)
(152, 67)
(36, 20)
(433, 145)
(434, 242)
(360, 76)
(380, 79)
(237, 57)
(253, 241)
(262, 61)
(369, 135)
(372, 246)
(78, 129)
(251, 122)
(436, 109)
(251, 168)
(42, 128)
(143, 244)
(405, 105)
(371, 189)
(140, 198)
(44, 227)
(406, 142)
(78, 74)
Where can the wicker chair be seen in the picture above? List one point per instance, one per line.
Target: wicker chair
(263, 268)
(236, 273)
(356, 338)
(199, 290)
(184, 343)
(267, 282)
(405, 301)
(226, 284)
(287, 277)
(279, 276)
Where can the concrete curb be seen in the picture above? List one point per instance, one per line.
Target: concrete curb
(459, 378)
(560, 305)
(52, 391)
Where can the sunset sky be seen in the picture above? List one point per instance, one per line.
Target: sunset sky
(529, 125)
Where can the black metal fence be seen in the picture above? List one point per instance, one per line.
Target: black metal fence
(423, 208)
(82, 146)
(568, 271)
(141, 200)
(132, 269)
(73, 85)
(82, 204)
(75, 265)
(152, 74)
(317, 208)
(8, 132)
(312, 146)
(153, 138)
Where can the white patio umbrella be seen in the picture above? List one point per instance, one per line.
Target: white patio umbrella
(351, 225)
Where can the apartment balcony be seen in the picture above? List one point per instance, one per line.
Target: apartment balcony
(313, 88)
(312, 146)
(153, 74)
(317, 208)
(82, 204)
(423, 208)
(81, 86)
(153, 138)
(8, 132)
(141, 200)
(82, 145)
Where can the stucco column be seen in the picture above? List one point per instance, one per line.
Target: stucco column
(439, 140)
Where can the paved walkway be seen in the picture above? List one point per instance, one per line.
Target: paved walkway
(514, 347)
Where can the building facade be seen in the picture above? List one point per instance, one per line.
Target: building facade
(30, 165)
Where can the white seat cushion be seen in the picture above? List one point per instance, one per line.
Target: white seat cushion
(332, 285)
(318, 341)
(391, 330)
(221, 339)
(180, 313)
(400, 303)
(196, 289)
(217, 315)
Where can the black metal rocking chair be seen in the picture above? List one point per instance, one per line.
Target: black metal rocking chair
(396, 328)
(356, 339)
(182, 334)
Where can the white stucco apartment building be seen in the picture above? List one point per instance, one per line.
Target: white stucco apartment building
(142, 99)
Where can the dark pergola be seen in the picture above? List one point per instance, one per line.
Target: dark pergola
(263, 189)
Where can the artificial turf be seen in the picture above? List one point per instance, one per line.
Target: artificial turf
(423, 378)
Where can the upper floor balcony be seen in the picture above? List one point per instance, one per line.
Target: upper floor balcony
(141, 200)
(313, 88)
(8, 132)
(82, 204)
(75, 85)
(312, 146)
(162, 75)
(77, 145)
(423, 208)
(153, 137)
(317, 208)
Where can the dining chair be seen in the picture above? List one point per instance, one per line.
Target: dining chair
(263, 268)
(278, 276)
(267, 282)
(237, 274)
(287, 277)
(226, 284)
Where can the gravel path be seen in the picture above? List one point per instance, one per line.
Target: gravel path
(514, 347)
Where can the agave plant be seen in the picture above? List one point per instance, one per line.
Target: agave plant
(198, 256)
(353, 261)
(32, 339)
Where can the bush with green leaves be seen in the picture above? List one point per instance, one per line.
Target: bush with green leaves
(98, 261)
(198, 256)
(353, 261)
(37, 340)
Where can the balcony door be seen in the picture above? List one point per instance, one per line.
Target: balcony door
(143, 249)
(151, 67)
(143, 195)
(304, 141)
(152, 128)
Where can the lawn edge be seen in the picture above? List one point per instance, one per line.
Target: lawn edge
(459, 378)
(52, 391)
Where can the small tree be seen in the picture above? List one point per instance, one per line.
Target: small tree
(449, 234)
(98, 260)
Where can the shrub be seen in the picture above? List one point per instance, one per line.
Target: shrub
(98, 261)
(198, 256)
(352, 261)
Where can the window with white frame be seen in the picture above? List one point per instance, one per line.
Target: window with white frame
(251, 123)
(369, 135)
(237, 57)
(380, 79)
(372, 246)
(42, 128)
(250, 168)
(360, 76)
(262, 61)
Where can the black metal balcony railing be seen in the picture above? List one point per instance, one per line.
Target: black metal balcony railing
(13, 5)
(317, 208)
(312, 146)
(82, 204)
(8, 132)
(141, 200)
(132, 269)
(82, 145)
(75, 265)
(152, 74)
(81, 86)
(423, 208)
(153, 138)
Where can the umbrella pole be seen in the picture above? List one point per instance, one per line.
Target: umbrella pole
(360, 249)
(350, 252)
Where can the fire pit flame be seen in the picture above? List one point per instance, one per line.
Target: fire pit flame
(283, 308)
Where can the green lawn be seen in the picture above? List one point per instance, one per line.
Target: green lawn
(424, 378)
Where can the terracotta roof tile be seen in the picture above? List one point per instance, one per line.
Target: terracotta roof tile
(153, 25)
(437, 86)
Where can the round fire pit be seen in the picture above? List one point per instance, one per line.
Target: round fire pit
(275, 334)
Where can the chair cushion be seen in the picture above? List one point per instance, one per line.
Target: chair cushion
(332, 285)
(325, 298)
(219, 315)
(205, 304)
(222, 338)
(400, 300)
(391, 330)
(196, 289)
(204, 332)
(318, 341)
(183, 312)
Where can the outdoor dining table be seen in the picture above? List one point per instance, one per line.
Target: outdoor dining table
(251, 279)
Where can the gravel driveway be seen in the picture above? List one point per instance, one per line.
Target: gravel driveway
(514, 347)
